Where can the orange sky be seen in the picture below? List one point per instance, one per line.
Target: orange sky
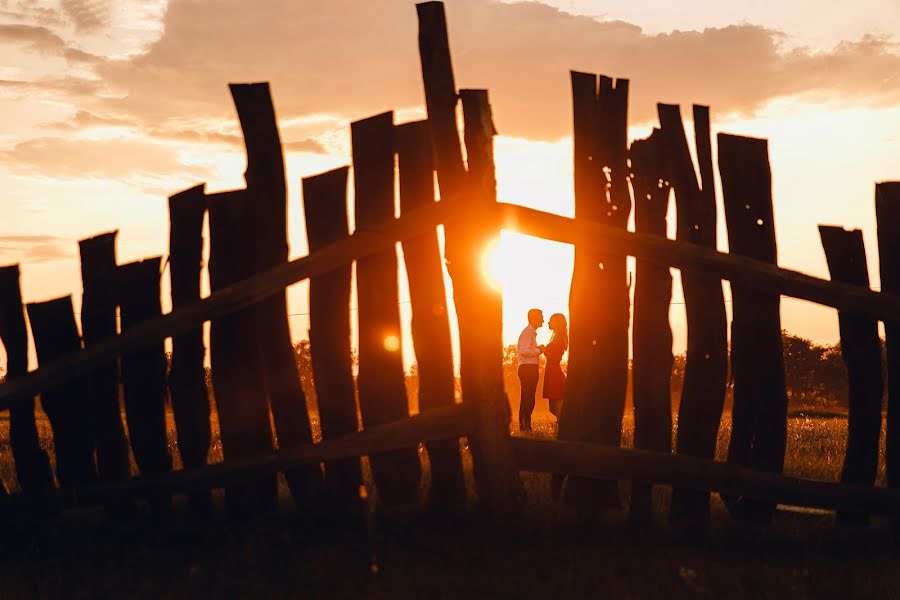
(109, 106)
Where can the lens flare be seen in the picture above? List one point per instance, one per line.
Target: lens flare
(391, 343)
(492, 260)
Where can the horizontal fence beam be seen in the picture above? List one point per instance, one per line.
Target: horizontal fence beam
(737, 269)
(663, 251)
(678, 470)
(438, 424)
(228, 300)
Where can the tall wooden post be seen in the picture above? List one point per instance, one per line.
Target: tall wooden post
(479, 309)
(652, 334)
(187, 377)
(32, 463)
(599, 303)
(144, 371)
(267, 187)
(887, 214)
(98, 322)
(430, 322)
(703, 395)
(68, 405)
(861, 351)
(325, 208)
(382, 387)
(238, 385)
(759, 416)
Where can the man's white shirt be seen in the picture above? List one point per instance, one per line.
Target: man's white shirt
(527, 351)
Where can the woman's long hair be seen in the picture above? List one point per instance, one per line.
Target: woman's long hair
(560, 329)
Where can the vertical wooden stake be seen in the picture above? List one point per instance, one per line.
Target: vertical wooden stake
(68, 405)
(98, 322)
(382, 387)
(187, 379)
(861, 351)
(479, 309)
(703, 395)
(325, 208)
(759, 416)
(887, 214)
(594, 401)
(267, 187)
(430, 322)
(144, 371)
(652, 334)
(238, 387)
(32, 463)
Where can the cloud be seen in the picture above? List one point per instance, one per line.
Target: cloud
(44, 41)
(124, 158)
(353, 59)
(87, 15)
(31, 249)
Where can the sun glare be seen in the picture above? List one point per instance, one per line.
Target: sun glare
(492, 264)
(391, 343)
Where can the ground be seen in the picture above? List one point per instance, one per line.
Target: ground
(545, 553)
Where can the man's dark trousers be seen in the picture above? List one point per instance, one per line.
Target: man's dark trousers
(528, 379)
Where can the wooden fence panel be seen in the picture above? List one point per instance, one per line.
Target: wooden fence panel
(238, 387)
(594, 401)
(98, 323)
(68, 405)
(861, 351)
(187, 376)
(703, 394)
(430, 321)
(325, 209)
(267, 187)
(382, 387)
(144, 371)
(478, 309)
(652, 334)
(32, 463)
(887, 215)
(759, 415)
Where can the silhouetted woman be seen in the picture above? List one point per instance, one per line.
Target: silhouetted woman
(554, 378)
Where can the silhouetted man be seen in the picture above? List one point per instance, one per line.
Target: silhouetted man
(528, 354)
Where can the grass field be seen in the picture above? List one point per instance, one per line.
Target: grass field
(406, 554)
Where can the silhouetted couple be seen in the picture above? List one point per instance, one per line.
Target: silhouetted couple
(528, 353)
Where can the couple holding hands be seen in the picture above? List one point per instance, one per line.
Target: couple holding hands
(528, 353)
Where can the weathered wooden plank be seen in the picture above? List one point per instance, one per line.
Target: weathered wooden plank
(430, 321)
(238, 386)
(706, 368)
(686, 472)
(759, 414)
(32, 463)
(652, 334)
(442, 423)
(382, 387)
(325, 209)
(861, 352)
(187, 376)
(227, 300)
(98, 323)
(68, 405)
(144, 371)
(887, 215)
(267, 187)
(598, 354)
(745, 271)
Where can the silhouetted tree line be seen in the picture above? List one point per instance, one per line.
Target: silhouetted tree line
(815, 374)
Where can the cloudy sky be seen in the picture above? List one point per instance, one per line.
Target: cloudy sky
(109, 106)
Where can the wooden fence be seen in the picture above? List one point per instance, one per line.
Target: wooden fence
(258, 397)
